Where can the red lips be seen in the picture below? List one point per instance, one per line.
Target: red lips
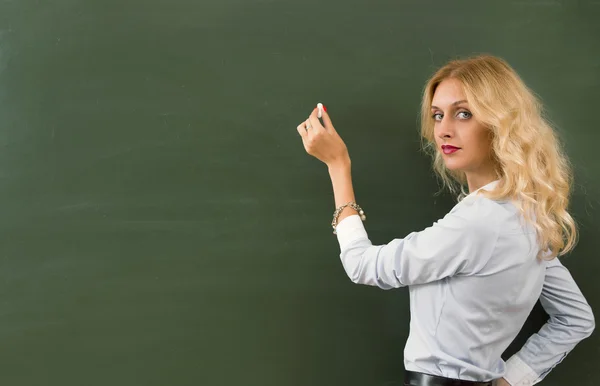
(449, 149)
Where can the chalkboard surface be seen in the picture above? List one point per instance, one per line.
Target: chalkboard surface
(160, 221)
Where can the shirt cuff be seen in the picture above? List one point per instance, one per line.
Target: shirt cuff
(350, 229)
(518, 373)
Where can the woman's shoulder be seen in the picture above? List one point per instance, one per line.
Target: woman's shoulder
(481, 211)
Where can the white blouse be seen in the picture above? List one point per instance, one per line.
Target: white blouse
(473, 279)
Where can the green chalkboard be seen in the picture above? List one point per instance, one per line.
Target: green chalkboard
(160, 221)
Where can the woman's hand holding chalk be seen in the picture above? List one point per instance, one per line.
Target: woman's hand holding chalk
(322, 140)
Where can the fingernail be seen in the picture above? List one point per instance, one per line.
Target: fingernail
(324, 108)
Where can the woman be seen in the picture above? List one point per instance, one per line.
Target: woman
(475, 275)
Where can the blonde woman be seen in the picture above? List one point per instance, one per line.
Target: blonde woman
(474, 275)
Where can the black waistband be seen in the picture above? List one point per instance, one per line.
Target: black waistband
(412, 378)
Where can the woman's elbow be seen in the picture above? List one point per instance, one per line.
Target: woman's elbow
(584, 325)
(589, 324)
(361, 268)
(351, 261)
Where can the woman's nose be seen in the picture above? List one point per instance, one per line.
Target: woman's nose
(445, 129)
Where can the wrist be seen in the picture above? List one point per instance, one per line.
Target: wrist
(342, 164)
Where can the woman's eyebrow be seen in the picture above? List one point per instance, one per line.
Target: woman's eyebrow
(453, 104)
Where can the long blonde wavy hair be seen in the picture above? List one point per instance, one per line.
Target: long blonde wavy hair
(530, 163)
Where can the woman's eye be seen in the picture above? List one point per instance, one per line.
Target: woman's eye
(465, 115)
(437, 116)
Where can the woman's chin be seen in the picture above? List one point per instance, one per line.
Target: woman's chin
(453, 166)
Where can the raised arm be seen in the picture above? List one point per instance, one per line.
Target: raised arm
(461, 242)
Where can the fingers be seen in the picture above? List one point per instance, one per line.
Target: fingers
(314, 121)
(306, 130)
(312, 125)
(327, 124)
(327, 120)
(302, 130)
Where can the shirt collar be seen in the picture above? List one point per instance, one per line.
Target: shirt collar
(489, 186)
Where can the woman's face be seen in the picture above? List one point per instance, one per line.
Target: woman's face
(465, 143)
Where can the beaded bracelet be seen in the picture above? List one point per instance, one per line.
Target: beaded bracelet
(339, 210)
